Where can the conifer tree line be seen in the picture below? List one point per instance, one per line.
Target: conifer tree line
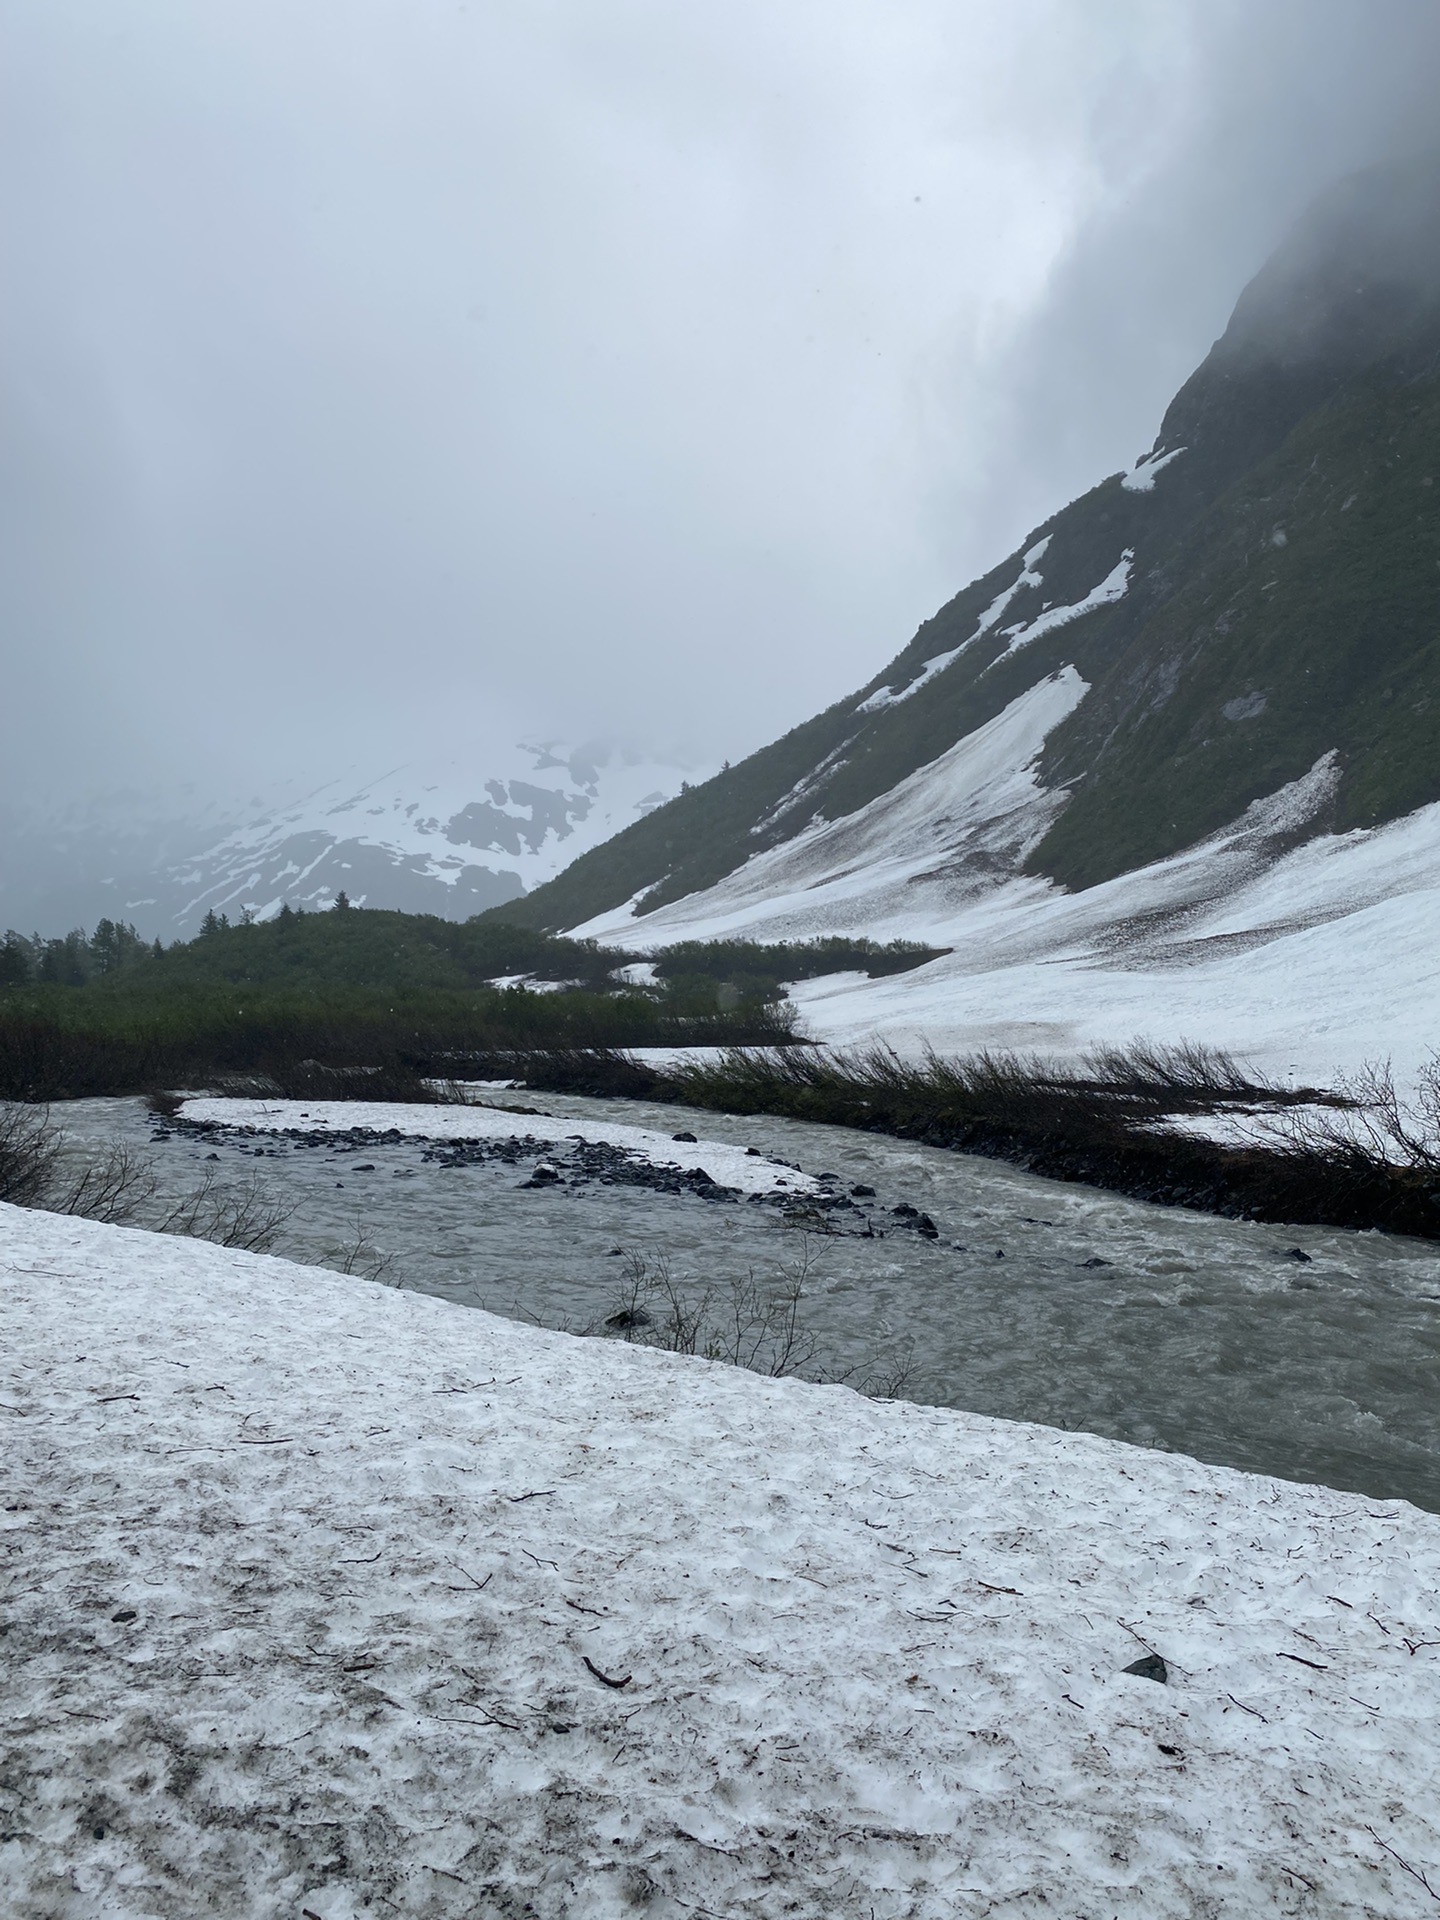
(72, 959)
(76, 958)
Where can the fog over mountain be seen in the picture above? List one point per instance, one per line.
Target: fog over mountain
(387, 385)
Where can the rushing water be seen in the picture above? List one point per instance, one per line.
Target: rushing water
(1037, 1301)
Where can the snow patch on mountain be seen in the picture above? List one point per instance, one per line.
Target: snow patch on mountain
(1027, 577)
(1112, 588)
(942, 835)
(1141, 477)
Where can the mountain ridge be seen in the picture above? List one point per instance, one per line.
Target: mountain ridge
(1321, 400)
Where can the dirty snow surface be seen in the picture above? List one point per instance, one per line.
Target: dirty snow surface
(327, 1598)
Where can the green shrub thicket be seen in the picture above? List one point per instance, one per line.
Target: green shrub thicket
(362, 989)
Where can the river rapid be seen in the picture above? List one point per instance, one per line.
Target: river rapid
(1034, 1300)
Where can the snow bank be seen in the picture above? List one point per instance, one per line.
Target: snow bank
(328, 1599)
(728, 1165)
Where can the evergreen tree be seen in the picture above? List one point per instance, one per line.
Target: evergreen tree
(342, 901)
(66, 962)
(16, 966)
(114, 945)
(210, 924)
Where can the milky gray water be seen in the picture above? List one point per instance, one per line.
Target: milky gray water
(1037, 1301)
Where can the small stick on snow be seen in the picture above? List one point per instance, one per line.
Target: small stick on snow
(606, 1679)
(1301, 1661)
(1414, 1872)
(479, 1585)
(1244, 1709)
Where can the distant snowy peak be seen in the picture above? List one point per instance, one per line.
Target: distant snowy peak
(447, 839)
(450, 838)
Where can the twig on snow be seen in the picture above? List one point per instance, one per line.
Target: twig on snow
(479, 1585)
(605, 1679)
(1301, 1661)
(1401, 1861)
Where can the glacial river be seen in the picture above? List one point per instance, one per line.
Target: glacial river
(1035, 1300)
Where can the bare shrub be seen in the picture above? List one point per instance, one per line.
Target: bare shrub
(29, 1150)
(113, 1186)
(394, 1081)
(744, 1323)
(243, 1216)
(1371, 1128)
(1183, 1073)
(358, 1254)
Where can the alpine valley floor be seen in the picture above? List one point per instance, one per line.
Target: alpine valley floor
(333, 1600)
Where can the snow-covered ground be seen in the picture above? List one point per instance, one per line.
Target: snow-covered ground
(728, 1166)
(326, 1599)
(1308, 959)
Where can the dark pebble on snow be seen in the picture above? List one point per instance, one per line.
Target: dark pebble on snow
(1152, 1667)
(689, 1138)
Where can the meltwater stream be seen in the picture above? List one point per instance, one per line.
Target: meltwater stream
(1036, 1300)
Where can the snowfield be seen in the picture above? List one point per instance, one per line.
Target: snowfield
(326, 1599)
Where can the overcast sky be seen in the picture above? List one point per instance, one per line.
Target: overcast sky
(386, 377)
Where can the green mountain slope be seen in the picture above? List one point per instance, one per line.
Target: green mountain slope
(1267, 595)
